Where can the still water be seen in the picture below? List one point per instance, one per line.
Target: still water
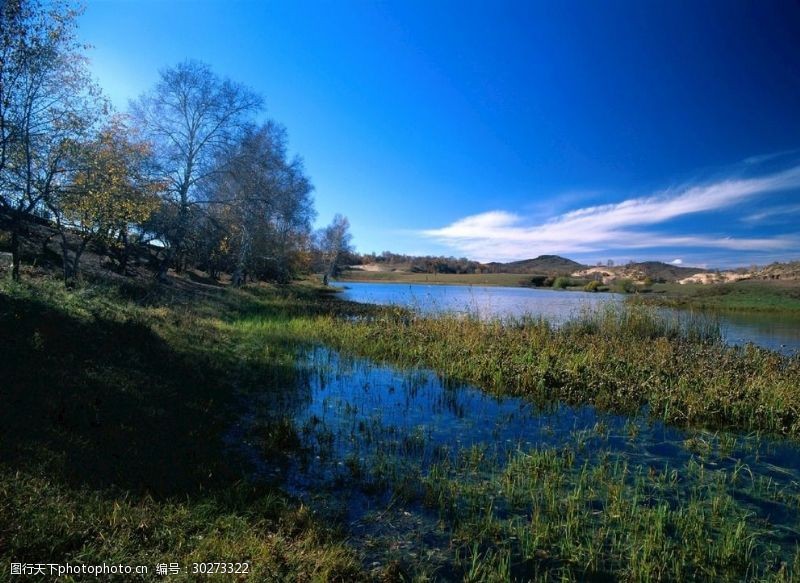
(773, 331)
(355, 440)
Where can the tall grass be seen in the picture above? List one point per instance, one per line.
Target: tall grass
(546, 517)
(638, 323)
(116, 400)
(620, 358)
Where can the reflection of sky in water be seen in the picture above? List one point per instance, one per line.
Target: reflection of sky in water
(777, 332)
(486, 301)
(774, 331)
(353, 409)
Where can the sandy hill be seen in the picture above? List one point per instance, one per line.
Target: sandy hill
(656, 271)
(789, 270)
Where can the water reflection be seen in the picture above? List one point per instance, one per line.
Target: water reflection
(361, 436)
(776, 332)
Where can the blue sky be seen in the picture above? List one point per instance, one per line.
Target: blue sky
(504, 130)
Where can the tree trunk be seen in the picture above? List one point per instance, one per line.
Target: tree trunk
(162, 270)
(164, 264)
(76, 262)
(239, 276)
(180, 261)
(46, 245)
(124, 254)
(67, 268)
(15, 252)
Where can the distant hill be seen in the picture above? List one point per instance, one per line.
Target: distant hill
(549, 264)
(555, 265)
(658, 270)
(655, 270)
(786, 271)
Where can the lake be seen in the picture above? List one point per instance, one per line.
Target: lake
(773, 331)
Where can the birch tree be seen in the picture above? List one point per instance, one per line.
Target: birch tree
(191, 116)
(263, 201)
(334, 242)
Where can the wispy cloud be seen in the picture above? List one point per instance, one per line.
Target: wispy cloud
(760, 159)
(502, 235)
(783, 212)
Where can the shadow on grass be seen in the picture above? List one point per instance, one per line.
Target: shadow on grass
(110, 404)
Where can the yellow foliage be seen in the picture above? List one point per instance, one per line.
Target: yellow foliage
(111, 188)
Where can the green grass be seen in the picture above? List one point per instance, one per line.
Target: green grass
(114, 406)
(545, 517)
(751, 296)
(618, 359)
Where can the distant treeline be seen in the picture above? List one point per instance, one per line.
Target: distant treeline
(460, 265)
(418, 264)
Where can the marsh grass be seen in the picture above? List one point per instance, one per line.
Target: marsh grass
(546, 516)
(619, 358)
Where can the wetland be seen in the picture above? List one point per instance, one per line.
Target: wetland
(324, 439)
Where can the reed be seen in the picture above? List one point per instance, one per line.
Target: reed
(620, 358)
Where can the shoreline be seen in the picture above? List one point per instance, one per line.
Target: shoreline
(754, 297)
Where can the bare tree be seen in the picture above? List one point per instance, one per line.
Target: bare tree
(263, 201)
(334, 241)
(190, 116)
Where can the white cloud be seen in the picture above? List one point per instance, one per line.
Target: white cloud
(677, 262)
(779, 212)
(755, 160)
(501, 235)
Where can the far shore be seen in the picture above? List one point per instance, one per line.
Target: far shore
(490, 279)
(521, 280)
(742, 296)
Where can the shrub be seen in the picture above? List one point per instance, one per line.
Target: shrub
(592, 286)
(541, 281)
(625, 286)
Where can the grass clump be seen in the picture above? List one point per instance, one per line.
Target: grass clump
(547, 517)
(624, 286)
(592, 286)
(562, 283)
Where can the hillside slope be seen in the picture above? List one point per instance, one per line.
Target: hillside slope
(549, 264)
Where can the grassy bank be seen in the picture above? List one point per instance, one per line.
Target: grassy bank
(115, 403)
(742, 296)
